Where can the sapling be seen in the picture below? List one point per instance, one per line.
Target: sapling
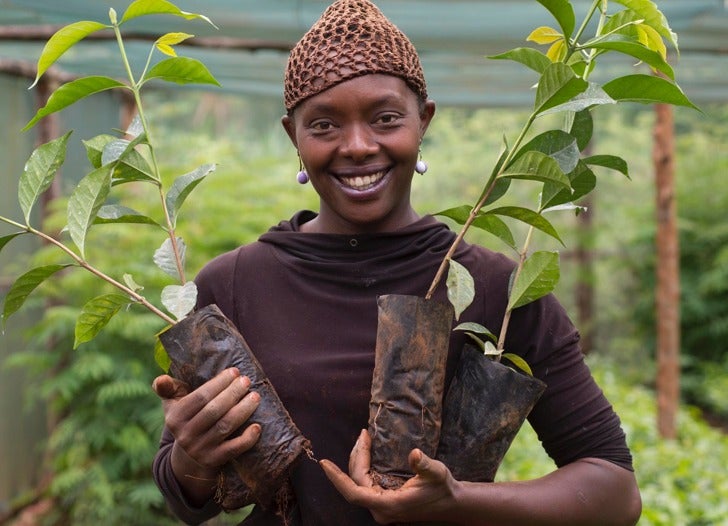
(186, 348)
(487, 402)
(554, 158)
(116, 160)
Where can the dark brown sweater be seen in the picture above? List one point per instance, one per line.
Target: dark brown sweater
(306, 304)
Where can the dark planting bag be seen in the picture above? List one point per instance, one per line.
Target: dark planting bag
(484, 408)
(413, 336)
(201, 346)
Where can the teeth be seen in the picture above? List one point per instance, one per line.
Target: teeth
(363, 182)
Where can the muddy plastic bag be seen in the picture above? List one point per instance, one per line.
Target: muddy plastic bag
(405, 409)
(485, 406)
(201, 346)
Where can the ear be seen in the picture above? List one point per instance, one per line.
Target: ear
(290, 126)
(426, 115)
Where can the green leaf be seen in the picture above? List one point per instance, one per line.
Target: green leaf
(563, 13)
(61, 41)
(96, 314)
(476, 328)
(460, 287)
(4, 240)
(609, 161)
(181, 188)
(459, 214)
(161, 357)
(647, 89)
(529, 217)
(72, 92)
(180, 299)
(165, 259)
(132, 166)
(529, 57)
(558, 145)
(518, 362)
(181, 70)
(582, 128)
(557, 85)
(85, 202)
(24, 285)
(538, 277)
(634, 49)
(496, 226)
(594, 95)
(652, 16)
(39, 172)
(582, 181)
(95, 147)
(158, 7)
(121, 214)
(536, 166)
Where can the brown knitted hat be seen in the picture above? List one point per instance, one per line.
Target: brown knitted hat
(352, 38)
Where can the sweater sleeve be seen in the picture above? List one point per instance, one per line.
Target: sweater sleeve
(573, 419)
(171, 490)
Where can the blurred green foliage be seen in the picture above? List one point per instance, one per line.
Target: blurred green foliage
(109, 420)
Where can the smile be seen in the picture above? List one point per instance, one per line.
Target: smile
(362, 182)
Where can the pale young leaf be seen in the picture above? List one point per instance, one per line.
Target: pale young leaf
(180, 299)
(460, 287)
(165, 259)
(545, 35)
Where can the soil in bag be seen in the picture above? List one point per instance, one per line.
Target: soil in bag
(201, 346)
(485, 406)
(405, 408)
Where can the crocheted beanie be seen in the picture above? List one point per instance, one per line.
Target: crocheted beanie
(352, 38)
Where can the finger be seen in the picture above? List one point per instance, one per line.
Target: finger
(229, 449)
(203, 395)
(235, 417)
(360, 459)
(215, 410)
(349, 489)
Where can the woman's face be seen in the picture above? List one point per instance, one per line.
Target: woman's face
(359, 143)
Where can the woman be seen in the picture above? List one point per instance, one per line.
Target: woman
(304, 296)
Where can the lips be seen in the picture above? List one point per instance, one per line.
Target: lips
(362, 182)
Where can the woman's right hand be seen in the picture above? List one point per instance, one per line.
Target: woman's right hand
(202, 422)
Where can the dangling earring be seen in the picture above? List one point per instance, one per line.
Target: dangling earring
(420, 166)
(301, 176)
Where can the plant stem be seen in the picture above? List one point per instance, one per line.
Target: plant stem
(135, 296)
(490, 185)
(523, 254)
(136, 89)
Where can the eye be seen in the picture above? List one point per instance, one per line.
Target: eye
(321, 126)
(387, 119)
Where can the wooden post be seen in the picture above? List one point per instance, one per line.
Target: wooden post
(668, 275)
(585, 281)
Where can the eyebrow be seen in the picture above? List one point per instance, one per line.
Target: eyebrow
(385, 99)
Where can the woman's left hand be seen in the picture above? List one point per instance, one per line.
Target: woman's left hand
(428, 496)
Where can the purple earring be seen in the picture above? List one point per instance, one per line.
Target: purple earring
(420, 165)
(301, 176)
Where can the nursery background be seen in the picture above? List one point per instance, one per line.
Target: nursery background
(78, 429)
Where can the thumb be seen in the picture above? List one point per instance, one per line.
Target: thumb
(167, 387)
(425, 466)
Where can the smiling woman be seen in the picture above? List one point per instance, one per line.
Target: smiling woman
(306, 295)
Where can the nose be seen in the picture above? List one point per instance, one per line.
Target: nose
(358, 142)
